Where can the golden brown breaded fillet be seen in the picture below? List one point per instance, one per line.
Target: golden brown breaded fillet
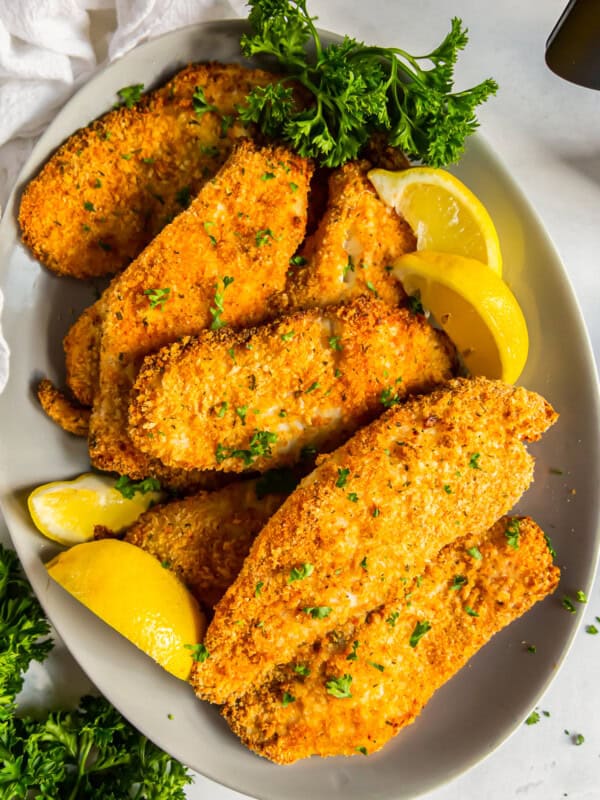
(82, 353)
(115, 184)
(71, 417)
(205, 538)
(219, 262)
(426, 472)
(362, 687)
(256, 398)
(357, 238)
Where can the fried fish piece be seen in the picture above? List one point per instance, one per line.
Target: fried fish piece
(257, 398)
(357, 238)
(360, 688)
(113, 185)
(205, 538)
(426, 472)
(219, 262)
(82, 353)
(71, 417)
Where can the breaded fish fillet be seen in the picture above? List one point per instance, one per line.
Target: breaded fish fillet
(357, 238)
(373, 512)
(256, 398)
(364, 685)
(205, 538)
(61, 410)
(218, 263)
(82, 353)
(115, 184)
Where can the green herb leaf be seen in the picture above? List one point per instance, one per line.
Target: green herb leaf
(339, 687)
(458, 582)
(157, 297)
(301, 669)
(533, 718)
(318, 612)
(358, 91)
(199, 102)
(287, 699)
(129, 95)
(129, 488)
(474, 553)
(199, 652)
(300, 573)
(512, 533)
(218, 309)
(352, 656)
(419, 631)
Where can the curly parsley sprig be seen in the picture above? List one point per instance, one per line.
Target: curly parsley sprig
(358, 90)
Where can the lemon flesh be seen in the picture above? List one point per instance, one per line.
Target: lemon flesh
(443, 213)
(68, 511)
(131, 591)
(473, 306)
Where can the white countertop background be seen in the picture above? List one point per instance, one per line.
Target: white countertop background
(547, 132)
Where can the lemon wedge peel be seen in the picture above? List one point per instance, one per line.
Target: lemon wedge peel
(67, 511)
(444, 214)
(133, 593)
(473, 306)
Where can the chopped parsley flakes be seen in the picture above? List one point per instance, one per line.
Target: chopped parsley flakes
(259, 445)
(219, 308)
(199, 652)
(420, 630)
(343, 473)
(129, 488)
(512, 534)
(129, 95)
(318, 612)
(299, 573)
(157, 297)
(200, 103)
(339, 687)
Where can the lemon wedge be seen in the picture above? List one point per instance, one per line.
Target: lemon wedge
(67, 511)
(131, 591)
(474, 306)
(444, 214)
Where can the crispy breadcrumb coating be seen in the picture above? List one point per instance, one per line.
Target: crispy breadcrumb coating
(363, 685)
(71, 417)
(113, 185)
(309, 379)
(82, 353)
(357, 238)
(220, 262)
(205, 538)
(426, 472)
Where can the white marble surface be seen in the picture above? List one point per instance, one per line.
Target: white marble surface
(547, 132)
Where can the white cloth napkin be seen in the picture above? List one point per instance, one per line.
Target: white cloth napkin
(48, 48)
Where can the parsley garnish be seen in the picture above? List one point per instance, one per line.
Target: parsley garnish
(379, 667)
(567, 604)
(393, 618)
(376, 512)
(475, 553)
(242, 412)
(581, 596)
(553, 552)
(592, 629)
(352, 656)
(200, 103)
(299, 573)
(288, 336)
(512, 534)
(358, 90)
(318, 612)
(267, 176)
(579, 739)
(199, 652)
(258, 588)
(209, 150)
(533, 718)
(89, 206)
(474, 460)
(287, 699)
(362, 750)
(458, 582)
(226, 123)
(471, 612)
(301, 669)
(353, 497)
(219, 308)
(223, 409)
(335, 344)
(129, 95)
(388, 398)
(157, 297)
(298, 261)
(129, 488)
(420, 630)
(312, 387)
(339, 687)
(260, 445)
(342, 478)
(263, 236)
